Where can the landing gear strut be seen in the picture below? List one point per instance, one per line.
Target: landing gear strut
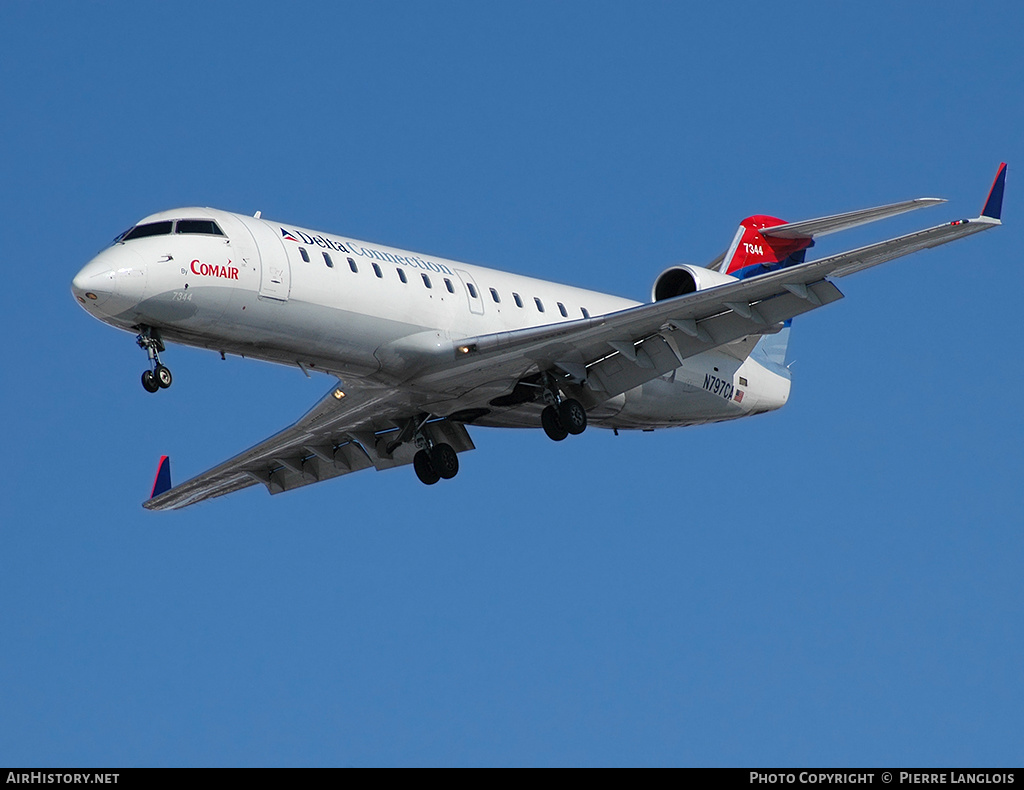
(562, 416)
(158, 376)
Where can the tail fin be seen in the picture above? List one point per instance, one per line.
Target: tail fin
(752, 253)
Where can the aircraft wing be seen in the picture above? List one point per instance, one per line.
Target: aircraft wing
(619, 351)
(342, 433)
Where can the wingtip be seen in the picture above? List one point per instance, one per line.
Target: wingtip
(994, 204)
(162, 481)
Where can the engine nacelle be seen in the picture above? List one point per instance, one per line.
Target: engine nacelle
(685, 279)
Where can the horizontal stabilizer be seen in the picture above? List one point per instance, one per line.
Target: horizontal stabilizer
(809, 228)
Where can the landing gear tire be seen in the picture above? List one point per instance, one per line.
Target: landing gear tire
(572, 416)
(162, 376)
(445, 461)
(149, 381)
(552, 424)
(424, 467)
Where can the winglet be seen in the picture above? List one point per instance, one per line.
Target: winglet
(162, 482)
(994, 205)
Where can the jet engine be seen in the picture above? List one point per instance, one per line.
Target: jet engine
(685, 279)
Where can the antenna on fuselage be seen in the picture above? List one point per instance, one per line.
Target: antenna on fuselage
(257, 214)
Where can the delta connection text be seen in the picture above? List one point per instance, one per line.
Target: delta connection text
(367, 252)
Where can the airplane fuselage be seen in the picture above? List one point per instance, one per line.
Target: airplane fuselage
(367, 312)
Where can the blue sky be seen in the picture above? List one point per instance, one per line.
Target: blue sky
(837, 583)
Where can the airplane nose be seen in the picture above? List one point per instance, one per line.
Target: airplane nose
(95, 283)
(111, 282)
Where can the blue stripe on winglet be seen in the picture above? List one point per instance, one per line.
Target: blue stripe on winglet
(994, 205)
(162, 482)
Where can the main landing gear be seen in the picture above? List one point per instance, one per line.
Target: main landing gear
(439, 462)
(158, 376)
(562, 416)
(432, 462)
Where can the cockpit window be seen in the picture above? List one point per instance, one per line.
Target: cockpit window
(207, 226)
(150, 229)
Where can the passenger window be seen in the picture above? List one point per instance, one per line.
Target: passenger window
(352, 266)
(401, 275)
(304, 254)
(328, 261)
(151, 229)
(376, 270)
(472, 290)
(516, 299)
(539, 303)
(449, 286)
(495, 297)
(561, 309)
(426, 280)
(207, 226)
(585, 311)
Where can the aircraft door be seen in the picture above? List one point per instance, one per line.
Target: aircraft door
(275, 271)
(473, 295)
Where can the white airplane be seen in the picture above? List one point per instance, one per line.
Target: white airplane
(423, 346)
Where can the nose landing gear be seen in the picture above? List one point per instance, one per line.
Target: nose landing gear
(158, 376)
